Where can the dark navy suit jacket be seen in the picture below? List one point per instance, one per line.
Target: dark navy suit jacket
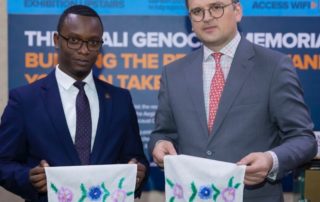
(33, 127)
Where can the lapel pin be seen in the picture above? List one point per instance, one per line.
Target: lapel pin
(107, 96)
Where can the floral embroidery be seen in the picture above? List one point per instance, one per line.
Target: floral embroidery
(208, 192)
(64, 194)
(229, 193)
(120, 195)
(95, 193)
(177, 190)
(205, 192)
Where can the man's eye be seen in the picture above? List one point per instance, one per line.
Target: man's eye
(74, 40)
(93, 43)
(216, 7)
(196, 11)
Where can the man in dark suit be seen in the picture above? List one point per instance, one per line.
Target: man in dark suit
(70, 117)
(233, 101)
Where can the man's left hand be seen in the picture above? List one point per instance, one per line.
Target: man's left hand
(258, 166)
(141, 172)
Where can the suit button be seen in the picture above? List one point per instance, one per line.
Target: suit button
(209, 153)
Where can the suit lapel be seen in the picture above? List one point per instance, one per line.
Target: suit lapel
(194, 81)
(239, 71)
(105, 112)
(54, 107)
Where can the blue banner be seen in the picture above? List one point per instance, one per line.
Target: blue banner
(103, 7)
(281, 7)
(164, 7)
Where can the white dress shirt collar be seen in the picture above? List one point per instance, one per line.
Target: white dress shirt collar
(229, 50)
(67, 81)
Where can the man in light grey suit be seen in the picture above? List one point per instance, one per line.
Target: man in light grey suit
(259, 119)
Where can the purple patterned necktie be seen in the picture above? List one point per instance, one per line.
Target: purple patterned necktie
(83, 124)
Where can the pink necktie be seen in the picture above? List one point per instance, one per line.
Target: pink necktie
(216, 88)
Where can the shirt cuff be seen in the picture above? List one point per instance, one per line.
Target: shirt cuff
(272, 175)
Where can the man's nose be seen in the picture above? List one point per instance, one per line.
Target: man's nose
(84, 48)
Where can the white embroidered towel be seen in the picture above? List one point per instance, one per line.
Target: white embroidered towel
(99, 183)
(194, 179)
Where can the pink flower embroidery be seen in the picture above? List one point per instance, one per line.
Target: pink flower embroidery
(119, 195)
(228, 194)
(65, 195)
(178, 191)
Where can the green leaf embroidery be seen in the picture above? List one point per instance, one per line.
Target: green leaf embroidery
(82, 198)
(84, 193)
(237, 185)
(230, 182)
(130, 193)
(54, 188)
(120, 183)
(105, 189)
(194, 192)
(170, 183)
(172, 199)
(106, 192)
(217, 192)
(105, 196)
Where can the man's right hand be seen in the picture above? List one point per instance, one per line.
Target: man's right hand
(161, 149)
(37, 177)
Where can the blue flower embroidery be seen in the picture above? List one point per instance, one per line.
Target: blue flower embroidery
(94, 193)
(205, 192)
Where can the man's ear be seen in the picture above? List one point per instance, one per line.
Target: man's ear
(56, 40)
(238, 10)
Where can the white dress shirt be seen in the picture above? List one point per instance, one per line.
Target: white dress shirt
(209, 68)
(68, 94)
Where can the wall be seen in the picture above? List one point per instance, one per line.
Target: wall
(4, 55)
(4, 195)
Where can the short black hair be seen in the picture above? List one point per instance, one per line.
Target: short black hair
(78, 10)
(187, 5)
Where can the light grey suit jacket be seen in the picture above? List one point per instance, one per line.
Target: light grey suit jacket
(261, 108)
